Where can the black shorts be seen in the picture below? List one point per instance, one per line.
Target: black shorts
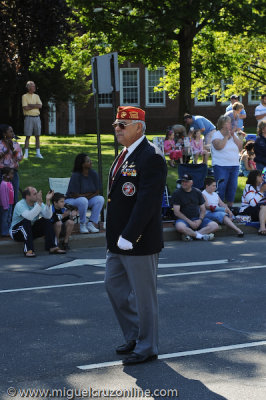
(253, 212)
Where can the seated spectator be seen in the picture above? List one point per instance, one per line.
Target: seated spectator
(217, 210)
(247, 162)
(83, 193)
(31, 219)
(197, 147)
(63, 219)
(6, 200)
(172, 149)
(189, 208)
(260, 146)
(253, 201)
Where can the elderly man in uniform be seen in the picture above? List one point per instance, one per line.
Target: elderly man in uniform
(134, 235)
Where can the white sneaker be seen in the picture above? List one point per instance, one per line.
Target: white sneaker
(39, 155)
(83, 228)
(208, 237)
(91, 228)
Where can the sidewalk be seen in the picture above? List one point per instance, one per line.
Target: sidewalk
(77, 240)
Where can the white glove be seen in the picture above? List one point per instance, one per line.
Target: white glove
(124, 244)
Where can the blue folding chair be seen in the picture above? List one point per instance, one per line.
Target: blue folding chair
(197, 171)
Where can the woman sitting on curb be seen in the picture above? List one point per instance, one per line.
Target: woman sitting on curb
(253, 203)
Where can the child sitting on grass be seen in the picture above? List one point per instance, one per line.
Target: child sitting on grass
(217, 210)
(63, 219)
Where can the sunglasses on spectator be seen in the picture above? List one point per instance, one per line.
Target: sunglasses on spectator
(122, 125)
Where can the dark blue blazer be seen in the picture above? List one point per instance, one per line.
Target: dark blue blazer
(134, 205)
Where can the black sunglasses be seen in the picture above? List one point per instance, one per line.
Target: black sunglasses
(122, 125)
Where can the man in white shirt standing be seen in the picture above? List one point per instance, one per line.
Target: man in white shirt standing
(260, 110)
(31, 105)
(31, 219)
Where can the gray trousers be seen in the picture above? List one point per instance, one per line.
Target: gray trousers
(131, 284)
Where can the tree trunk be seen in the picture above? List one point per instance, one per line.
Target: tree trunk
(185, 41)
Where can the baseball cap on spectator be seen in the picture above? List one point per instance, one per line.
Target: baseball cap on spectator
(186, 178)
(234, 96)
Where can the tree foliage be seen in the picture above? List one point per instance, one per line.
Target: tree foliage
(151, 31)
(28, 28)
(238, 61)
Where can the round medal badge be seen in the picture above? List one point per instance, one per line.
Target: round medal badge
(128, 189)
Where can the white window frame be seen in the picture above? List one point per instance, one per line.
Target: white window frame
(122, 87)
(105, 105)
(253, 102)
(200, 103)
(148, 104)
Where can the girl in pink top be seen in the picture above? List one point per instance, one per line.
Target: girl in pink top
(170, 148)
(6, 200)
(197, 147)
(10, 155)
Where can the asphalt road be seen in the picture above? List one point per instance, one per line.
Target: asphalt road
(58, 330)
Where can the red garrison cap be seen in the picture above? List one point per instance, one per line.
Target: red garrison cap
(129, 112)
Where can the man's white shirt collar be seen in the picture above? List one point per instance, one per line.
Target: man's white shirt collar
(134, 145)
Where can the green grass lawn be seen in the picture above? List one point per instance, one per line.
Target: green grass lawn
(60, 151)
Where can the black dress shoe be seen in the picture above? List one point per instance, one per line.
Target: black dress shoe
(126, 348)
(135, 358)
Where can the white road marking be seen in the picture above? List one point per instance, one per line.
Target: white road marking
(101, 263)
(212, 271)
(92, 262)
(159, 276)
(50, 287)
(180, 354)
(194, 263)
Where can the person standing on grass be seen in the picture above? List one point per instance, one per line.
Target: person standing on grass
(10, 156)
(241, 116)
(31, 104)
(6, 201)
(137, 181)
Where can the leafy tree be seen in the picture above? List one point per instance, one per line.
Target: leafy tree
(28, 27)
(238, 60)
(151, 31)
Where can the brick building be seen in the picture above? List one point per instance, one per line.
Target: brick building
(136, 88)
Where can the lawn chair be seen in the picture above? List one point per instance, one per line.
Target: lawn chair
(159, 142)
(59, 185)
(167, 209)
(197, 171)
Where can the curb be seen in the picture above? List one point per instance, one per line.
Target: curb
(8, 246)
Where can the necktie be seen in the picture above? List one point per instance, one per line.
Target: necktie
(120, 161)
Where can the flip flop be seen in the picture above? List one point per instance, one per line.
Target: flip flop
(57, 250)
(262, 233)
(29, 253)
